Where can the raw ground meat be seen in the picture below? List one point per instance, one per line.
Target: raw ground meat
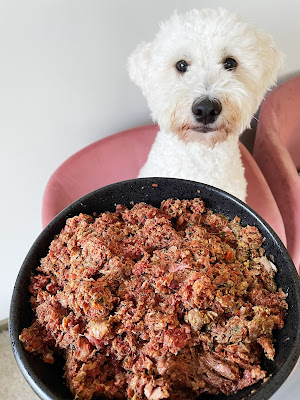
(149, 303)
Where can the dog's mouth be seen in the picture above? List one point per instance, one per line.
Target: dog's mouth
(208, 134)
(202, 129)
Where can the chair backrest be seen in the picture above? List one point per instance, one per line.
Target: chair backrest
(277, 153)
(120, 157)
(284, 102)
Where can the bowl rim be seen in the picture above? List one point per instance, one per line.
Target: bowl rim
(43, 391)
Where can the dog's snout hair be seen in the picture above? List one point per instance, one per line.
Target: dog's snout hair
(207, 110)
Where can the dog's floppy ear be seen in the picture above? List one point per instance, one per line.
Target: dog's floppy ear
(138, 64)
(272, 58)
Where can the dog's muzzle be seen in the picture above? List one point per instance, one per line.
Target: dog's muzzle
(206, 111)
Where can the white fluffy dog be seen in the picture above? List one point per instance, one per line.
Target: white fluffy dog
(204, 77)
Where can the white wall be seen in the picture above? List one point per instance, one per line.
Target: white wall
(63, 85)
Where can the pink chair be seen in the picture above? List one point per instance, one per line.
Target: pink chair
(277, 153)
(120, 157)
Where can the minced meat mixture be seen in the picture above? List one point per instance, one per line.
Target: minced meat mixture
(149, 303)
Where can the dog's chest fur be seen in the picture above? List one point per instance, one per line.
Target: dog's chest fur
(220, 166)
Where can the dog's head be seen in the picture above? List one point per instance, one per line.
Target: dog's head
(205, 74)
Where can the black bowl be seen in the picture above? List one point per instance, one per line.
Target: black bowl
(46, 380)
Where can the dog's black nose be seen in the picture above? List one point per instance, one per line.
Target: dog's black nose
(206, 111)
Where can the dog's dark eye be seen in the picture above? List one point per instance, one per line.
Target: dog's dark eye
(230, 64)
(182, 66)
